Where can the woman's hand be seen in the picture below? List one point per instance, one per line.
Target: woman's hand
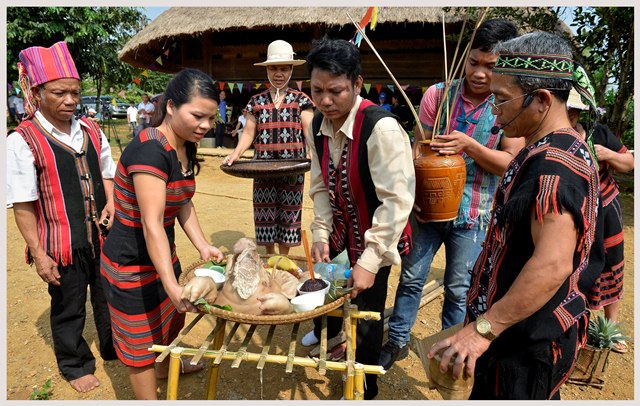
(231, 158)
(209, 251)
(182, 305)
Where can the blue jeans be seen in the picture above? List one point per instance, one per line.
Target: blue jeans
(462, 248)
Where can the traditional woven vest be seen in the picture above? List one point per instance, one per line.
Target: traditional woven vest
(70, 189)
(352, 192)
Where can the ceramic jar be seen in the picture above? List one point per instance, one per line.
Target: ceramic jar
(440, 182)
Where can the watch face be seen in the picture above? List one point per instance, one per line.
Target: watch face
(483, 326)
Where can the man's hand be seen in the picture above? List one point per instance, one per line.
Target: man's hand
(451, 144)
(47, 269)
(467, 345)
(360, 280)
(320, 252)
(603, 153)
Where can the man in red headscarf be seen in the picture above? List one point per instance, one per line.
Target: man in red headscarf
(60, 183)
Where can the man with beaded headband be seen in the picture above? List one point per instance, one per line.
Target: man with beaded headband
(526, 311)
(60, 182)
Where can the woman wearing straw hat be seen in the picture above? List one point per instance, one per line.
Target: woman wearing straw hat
(612, 155)
(277, 123)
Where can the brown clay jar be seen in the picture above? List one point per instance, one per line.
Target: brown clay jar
(440, 182)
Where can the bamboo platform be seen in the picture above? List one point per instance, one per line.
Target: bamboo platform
(216, 348)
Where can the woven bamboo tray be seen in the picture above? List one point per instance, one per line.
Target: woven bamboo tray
(267, 168)
(189, 271)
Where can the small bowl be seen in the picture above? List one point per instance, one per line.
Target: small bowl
(216, 268)
(323, 291)
(218, 278)
(305, 303)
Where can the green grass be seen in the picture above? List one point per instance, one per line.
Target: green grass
(43, 393)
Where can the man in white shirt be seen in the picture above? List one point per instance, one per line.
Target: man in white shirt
(132, 116)
(145, 109)
(60, 183)
(362, 186)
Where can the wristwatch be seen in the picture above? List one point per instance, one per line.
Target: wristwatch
(483, 327)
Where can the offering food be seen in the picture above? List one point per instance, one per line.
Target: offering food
(313, 285)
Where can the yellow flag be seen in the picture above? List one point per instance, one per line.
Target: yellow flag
(113, 101)
(374, 19)
(145, 74)
(159, 60)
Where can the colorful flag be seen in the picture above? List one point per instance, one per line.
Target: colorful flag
(221, 83)
(159, 60)
(379, 87)
(366, 86)
(231, 86)
(240, 87)
(374, 18)
(145, 73)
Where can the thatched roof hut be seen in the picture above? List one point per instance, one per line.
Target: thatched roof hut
(226, 41)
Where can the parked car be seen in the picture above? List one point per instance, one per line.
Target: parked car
(117, 111)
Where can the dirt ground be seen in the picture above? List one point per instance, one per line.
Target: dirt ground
(224, 208)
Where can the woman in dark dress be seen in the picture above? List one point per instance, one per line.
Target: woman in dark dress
(277, 123)
(612, 156)
(154, 184)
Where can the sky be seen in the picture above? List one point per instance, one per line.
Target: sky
(153, 12)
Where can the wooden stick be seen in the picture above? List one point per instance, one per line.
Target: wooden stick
(179, 338)
(466, 57)
(413, 110)
(307, 253)
(266, 347)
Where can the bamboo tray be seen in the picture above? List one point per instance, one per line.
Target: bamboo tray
(267, 168)
(188, 273)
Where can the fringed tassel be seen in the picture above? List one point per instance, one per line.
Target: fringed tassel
(546, 200)
(30, 102)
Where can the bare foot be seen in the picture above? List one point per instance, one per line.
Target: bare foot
(162, 371)
(85, 383)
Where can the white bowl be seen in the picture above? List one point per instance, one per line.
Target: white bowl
(304, 303)
(324, 291)
(218, 278)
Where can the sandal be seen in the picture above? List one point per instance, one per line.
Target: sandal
(621, 347)
(185, 368)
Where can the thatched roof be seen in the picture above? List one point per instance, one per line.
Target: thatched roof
(195, 21)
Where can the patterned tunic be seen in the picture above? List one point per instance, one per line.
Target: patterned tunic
(277, 202)
(141, 312)
(555, 174)
(608, 287)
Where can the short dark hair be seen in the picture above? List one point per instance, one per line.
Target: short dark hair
(493, 31)
(336, 56)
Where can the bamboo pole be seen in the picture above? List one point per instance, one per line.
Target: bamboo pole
(214, 370)
(179, 338)
(266, 347)
(275, 359)
(359, 382)
(413, 110)
(207, 342)
(466, 57)
(174, 373)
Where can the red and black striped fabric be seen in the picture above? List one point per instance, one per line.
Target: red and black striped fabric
(553, 175)
(141, 312)
(70, 189)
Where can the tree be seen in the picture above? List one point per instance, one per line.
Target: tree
(94, 36)
(603, 44)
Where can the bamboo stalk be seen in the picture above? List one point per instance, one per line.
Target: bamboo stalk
(214, 370)
(266, 347)
(307, 253)
(292, 348)
(275, 359)
(174, 373)
(225, 344)
(466, 57)
(179, 338)
(413, 110)
(207, 342)
(243, 348)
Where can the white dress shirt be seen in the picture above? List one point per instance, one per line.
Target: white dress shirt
(21, 169)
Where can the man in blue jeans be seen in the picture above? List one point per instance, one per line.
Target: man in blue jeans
(487, 155)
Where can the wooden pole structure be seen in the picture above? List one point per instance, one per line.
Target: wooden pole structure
(174, 373)
(214, 369)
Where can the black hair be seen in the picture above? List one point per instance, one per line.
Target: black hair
(336, 56)
(493, 31)
(183, 87)
(539, 43)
